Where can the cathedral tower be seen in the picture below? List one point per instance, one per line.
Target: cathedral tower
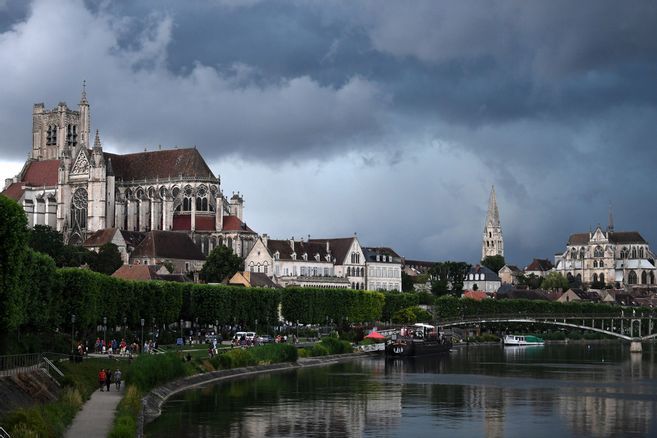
(493, 242)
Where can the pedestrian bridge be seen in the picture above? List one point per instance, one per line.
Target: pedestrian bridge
(633, 327)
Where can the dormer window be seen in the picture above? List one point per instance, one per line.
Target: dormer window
(293, 255)
(378, 258)
(317, 258)
(277, 255)
(305, 256)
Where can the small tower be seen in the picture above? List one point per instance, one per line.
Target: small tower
(493, 242)
(84, 116)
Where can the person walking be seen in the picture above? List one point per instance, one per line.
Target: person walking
(101, 378)
(108, 379)
(117, 379)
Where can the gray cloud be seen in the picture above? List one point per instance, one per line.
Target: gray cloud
(411, 113)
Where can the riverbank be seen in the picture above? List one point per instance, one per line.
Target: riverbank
(153, 401)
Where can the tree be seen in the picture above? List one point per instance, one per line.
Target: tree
(531, 281)
(220, 264)
(44, 239)
(108, 259)
(494, 263)
(407, 282)
(447, 277)
(13, 253)
(553, 281)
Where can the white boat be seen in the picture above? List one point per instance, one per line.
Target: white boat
(522, 340)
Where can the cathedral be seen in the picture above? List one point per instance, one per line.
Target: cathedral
(78, 188)
(608, 258)
(492, 242)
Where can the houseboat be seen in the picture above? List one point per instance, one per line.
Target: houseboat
(417, 340)
(518, 341)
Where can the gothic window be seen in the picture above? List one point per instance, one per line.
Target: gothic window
(598, 252)
(202, 199)
(595, 263)
(573, 254)
(187, 199)
(601, 278)
(644, 277)
(71, 135)
(578, 278)
(595, 278)
(634, 252)
(348, 271)
(641, 252)
(632, 278)
(624, 253)
(51, 137)
(490, 235)
(651, 277)
(581, 253)
(79, 209)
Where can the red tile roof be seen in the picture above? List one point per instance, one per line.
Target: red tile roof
(168, 245)
(182, 222)
(542, 265)
(14, 191)
(205, 223)
(35, 174)
(100, 237)
(233, 223)
(159, 164)
(476, 295)
(41, 173)
(137, 272)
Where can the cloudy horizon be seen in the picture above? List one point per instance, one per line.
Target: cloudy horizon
(373, 117)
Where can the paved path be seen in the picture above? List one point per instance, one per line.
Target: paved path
(97, 415)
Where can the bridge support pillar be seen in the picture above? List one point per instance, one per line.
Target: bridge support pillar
(635, 347)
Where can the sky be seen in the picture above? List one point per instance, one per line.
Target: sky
(388, 119)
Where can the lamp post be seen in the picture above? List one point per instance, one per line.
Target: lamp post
(142, 335)
(72, 333)
(105, 330)
(181, 333)
(256, 326)
(297, 329)
(125, 323)
(153, 327)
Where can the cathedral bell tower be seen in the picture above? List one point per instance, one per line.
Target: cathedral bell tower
(493, 242)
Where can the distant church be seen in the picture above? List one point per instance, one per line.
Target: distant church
(492, 242)
(78, 190)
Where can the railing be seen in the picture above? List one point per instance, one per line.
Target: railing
(19, 363)
(4, 433)
(550, 317)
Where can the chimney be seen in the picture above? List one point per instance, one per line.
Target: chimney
(292, 243)
(265, 239)
(328, 249)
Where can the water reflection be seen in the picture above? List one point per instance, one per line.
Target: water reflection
(575, 390)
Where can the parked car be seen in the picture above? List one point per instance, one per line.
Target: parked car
(265, 339)
(249, 336)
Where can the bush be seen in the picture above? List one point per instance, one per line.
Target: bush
(335, 346)
(410, 315)
(150, 370)
(125, 425)
(319, 350)
(275, 353)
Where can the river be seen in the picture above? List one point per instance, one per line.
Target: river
(555, 391)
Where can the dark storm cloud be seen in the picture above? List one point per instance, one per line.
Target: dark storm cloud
(555, 102)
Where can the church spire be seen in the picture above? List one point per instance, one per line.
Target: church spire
(97, 144)
(83, 98)
(493, 216)
(610, 220)
(493, 242)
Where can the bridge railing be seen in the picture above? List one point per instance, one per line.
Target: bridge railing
(18, 363)
(538, 318)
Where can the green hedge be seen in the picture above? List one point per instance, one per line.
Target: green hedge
(396, 301)
(451, 307)
(150, 370)
(314, 306)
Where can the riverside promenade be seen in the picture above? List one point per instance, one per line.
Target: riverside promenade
(97, 415)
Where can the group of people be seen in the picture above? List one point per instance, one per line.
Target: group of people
(115, 347)
(106, 377)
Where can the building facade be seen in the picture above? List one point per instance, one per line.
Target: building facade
(616, 258)
(383, 267)
(324, 263)
(493, 242)
(481, 278)
(79, 189)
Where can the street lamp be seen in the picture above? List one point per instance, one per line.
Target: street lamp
(256, 326)
(72, 333)
(105, 330)
(182, 338)
(142, 335)
(125, 322)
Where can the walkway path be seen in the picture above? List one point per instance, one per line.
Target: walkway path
(97, 415)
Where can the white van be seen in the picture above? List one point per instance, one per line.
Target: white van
(249, 336)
